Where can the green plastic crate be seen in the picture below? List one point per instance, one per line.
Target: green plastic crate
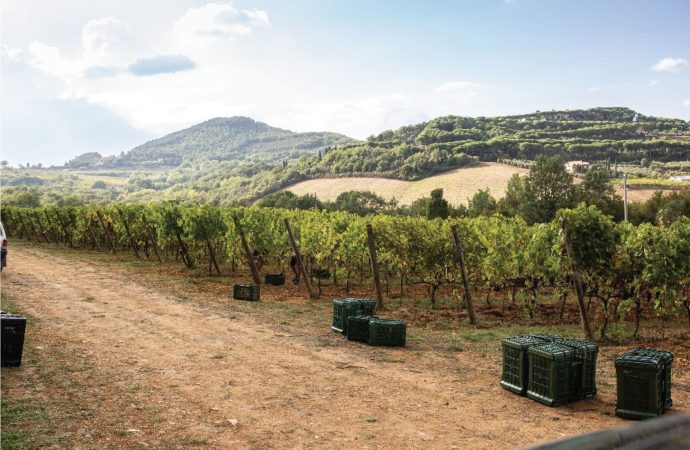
(548, 337)
(551, 373)
(358, 328)
(387, 332)
(667, 357)
(349, 307)
(643, 385)
(249, 292)
(276, 279)
(515, 362)
(586, 353)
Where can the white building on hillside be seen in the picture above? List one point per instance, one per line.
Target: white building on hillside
(576, 166)
(680, 178)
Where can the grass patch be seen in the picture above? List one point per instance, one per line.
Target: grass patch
(194, 442)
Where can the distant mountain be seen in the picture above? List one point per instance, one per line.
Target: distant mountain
(219, 139)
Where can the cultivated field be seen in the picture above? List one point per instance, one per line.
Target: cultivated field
(122, 353)
(458, 185)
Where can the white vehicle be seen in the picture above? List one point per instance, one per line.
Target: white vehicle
(3, 251)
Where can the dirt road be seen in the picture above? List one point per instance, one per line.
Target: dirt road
(157, 372)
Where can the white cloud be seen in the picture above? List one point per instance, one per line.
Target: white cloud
(686, 103)
(669, 64)
(106, 42)
(219, 21)
(459, 86)
(49, 60)
(12, 53)
(607, 87)
(653, 83)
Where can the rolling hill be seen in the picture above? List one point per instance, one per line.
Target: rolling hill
(458, 185)
(221, 139)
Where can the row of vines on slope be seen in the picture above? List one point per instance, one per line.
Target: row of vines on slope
(623, 268)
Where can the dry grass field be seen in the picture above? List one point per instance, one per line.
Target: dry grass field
(458, 185)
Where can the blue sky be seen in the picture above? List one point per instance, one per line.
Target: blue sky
(85, 75)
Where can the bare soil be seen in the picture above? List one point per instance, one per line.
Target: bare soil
(132, 356)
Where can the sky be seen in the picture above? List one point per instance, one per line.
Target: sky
(108, 75)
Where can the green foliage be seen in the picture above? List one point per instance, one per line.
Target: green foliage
(482, 204)
(547, 188)
(438, 206)
(361, 203)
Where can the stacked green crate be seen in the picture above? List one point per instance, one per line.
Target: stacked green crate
(249, 292)
(350, 307)
(358, 328)
(548, 337)
(387, 332)
(585, 353)
(551, 373)
(516, 363)
(643, 383)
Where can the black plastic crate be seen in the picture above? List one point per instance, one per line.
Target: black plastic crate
(552, 372)
(248, 292)
(322, 274)
(276, 279)
(586, 353)
(13, 329)
(643, 383)
(387, 332)
(515, 362)
(358, 328)
(350, 307)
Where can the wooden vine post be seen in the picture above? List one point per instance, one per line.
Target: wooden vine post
(63, 225)
(94, 241)
(183, 249)
(463, 270)
(24, 228)
(51, 228)
(40, 225)
(132, 241)
(33, 228)
(212, 254)
(154, 242)
(300, 261)
(105, 230)
(375, 266)
(248, 254)
(577, 281)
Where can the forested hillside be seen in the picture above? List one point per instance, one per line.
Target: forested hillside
(223, 161)
(219, 139)
(598, 134)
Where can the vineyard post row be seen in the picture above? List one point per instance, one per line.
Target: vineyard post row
(620, 267)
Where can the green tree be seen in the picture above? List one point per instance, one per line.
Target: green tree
(509, 205)
(438, 206)
(482, 204)
(595, 189)
(548, 188)
(361, 203)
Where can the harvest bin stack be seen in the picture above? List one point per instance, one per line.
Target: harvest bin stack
(354, 318)
(643, 383)
(350, 307)
(13, 328)
(549, 369)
